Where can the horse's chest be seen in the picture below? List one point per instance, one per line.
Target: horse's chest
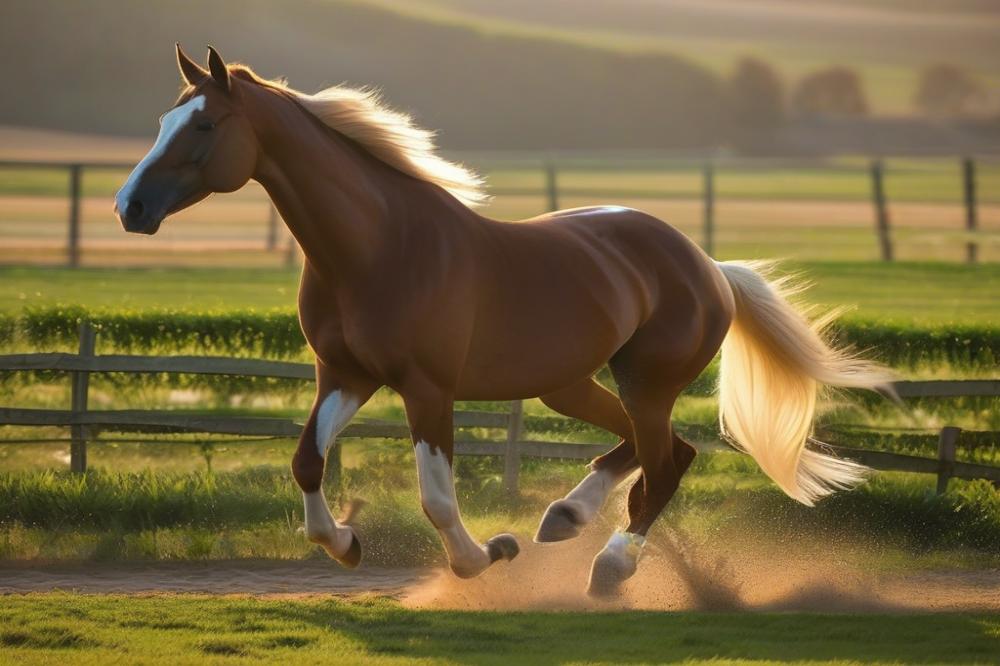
(351, 338)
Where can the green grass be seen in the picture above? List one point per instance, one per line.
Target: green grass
(918, 293)
(98, 629)
(199, 289)
(256, 511)
(907, 293)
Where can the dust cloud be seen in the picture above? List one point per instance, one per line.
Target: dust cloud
(678, 574)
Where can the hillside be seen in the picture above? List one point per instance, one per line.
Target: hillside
(888, 41)
(106, 66)
(521, 74)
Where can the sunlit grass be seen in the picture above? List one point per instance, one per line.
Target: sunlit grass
(907, 292)
(99, 629)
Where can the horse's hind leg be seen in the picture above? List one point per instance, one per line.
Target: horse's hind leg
(590, 402)
(650, 375)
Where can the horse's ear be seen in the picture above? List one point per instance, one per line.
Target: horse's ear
(220, 72)
(190, 71)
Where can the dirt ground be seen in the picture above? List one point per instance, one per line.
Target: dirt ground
(552, 577)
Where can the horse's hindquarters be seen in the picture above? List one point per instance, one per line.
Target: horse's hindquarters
(558, 297)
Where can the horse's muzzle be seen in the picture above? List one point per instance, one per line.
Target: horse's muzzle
(136, 218)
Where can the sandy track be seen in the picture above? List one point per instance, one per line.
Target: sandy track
(551, 578)
(264, 578)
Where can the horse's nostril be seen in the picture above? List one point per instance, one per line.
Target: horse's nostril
(134, 209)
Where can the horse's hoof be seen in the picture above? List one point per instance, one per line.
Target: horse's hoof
(502, 546)
(352, 558)
(614, 565)
(607, 574)
(560, 522)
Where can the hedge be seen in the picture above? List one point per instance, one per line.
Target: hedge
(276, 334)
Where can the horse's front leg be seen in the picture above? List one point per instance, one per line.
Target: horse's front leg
(337, 401)
(429, 412)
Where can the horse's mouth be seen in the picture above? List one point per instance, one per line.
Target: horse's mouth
(151, 228)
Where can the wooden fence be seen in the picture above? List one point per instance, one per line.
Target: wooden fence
(85, 424)
(552, 192)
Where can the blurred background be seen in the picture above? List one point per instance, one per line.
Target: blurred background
(771, 114)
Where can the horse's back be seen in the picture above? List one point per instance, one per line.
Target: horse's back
(656, 255)
(569, 289)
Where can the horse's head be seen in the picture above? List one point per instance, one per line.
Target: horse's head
(206, 144)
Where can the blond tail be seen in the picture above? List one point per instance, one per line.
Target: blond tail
(774, 360)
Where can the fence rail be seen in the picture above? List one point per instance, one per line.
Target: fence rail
(85, 423)
(553, 192)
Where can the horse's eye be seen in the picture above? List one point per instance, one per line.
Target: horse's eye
(205, 126)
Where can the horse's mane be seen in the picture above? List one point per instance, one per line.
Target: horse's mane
(387, 134)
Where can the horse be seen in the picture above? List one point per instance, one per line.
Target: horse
(405, 285)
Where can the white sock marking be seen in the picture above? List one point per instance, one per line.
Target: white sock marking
(321, 527)
(591, 493)
(437, 495)
(625, 546)
(335, 412)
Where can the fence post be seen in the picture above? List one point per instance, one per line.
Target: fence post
(512, 451)
(881, 211)
(272, 228)
(551, 186)
(971, 223)
(334, 467)
(290, 252)
(73, 241)
(947, 443)
(708, 194)
(78, 403)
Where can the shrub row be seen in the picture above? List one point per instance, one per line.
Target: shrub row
(276, 334)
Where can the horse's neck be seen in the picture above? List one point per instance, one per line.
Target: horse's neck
(340, 203)
(321, 192)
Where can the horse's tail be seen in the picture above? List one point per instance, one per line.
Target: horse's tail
(774, 359)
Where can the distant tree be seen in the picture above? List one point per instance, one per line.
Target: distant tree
(948, 90)
(755, 94)
(835, 91)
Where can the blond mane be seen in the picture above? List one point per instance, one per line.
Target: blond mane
(387, 134)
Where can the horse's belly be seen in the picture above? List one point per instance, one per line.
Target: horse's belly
(541, 349)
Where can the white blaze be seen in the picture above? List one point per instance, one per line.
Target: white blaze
(170, 126)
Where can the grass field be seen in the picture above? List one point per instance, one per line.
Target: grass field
(160, 502)
(44, 628)
(904, 292)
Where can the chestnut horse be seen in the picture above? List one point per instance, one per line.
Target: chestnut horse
(405, 286)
